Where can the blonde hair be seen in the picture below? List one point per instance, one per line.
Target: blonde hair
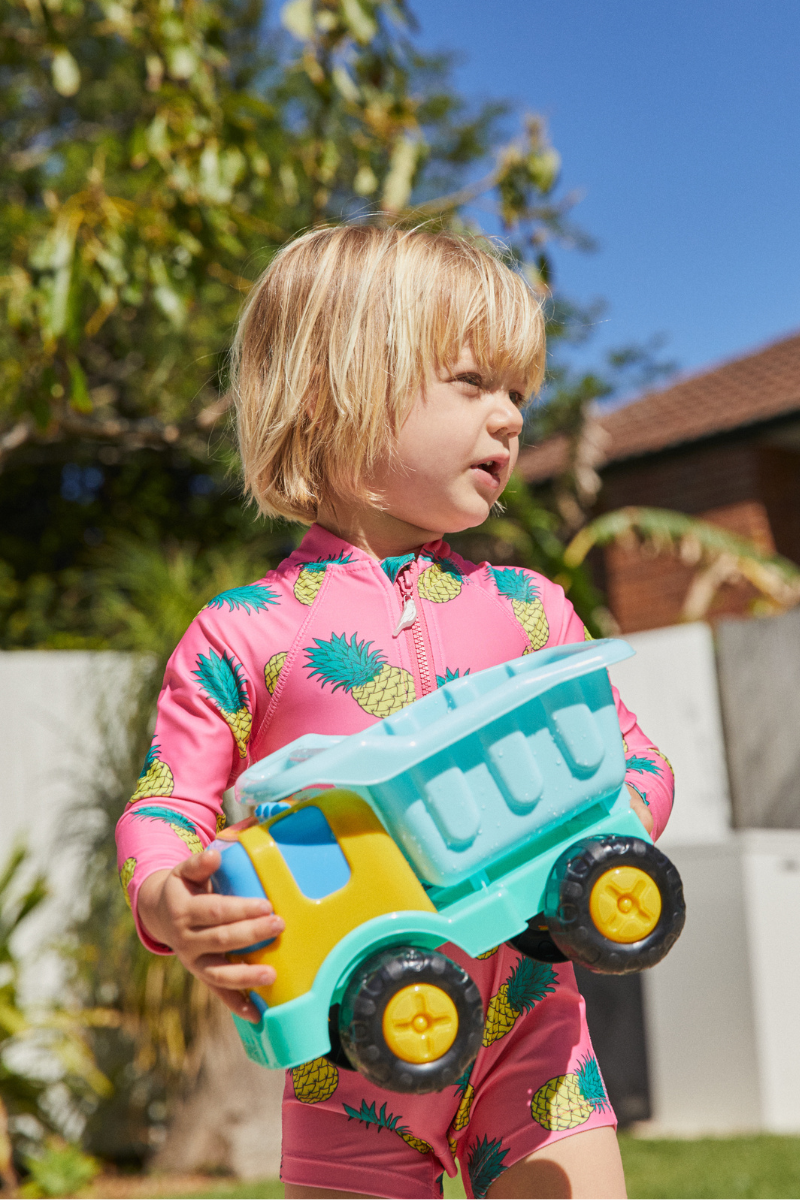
(335, 343)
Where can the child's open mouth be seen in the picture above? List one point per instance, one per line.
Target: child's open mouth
(489, 471)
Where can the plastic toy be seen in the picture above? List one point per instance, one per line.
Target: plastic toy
(492, 810)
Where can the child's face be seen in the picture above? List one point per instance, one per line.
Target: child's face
(455, 451)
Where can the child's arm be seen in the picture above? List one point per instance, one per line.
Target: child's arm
(649, 775)
(178, 909)
(206, 711)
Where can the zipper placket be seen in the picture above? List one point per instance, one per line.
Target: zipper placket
(410, 619)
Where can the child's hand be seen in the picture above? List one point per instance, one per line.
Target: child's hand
(640, 808)
(179, 909)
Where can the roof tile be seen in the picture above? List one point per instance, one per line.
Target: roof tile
(748, 390)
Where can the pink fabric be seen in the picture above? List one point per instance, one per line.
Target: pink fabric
(364, 1139)
(328, 593)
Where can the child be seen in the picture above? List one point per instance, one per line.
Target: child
(379, 378)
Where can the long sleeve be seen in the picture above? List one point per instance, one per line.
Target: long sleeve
(648, 770)
(203, 724)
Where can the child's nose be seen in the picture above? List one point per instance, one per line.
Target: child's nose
(505, 415)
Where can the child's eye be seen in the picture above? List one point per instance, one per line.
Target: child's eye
(470, 379)
(516, 398)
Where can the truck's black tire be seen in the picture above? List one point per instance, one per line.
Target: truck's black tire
(568, 897)
(336, 1054)
(373, 984)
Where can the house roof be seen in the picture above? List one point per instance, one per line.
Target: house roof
(743, 392)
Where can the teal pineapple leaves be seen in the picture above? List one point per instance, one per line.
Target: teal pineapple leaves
(253, 598)
(223, 682)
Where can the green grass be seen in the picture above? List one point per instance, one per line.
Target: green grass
(710, 1167)
(729, 1168)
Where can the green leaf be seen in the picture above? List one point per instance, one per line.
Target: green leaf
(79, 397)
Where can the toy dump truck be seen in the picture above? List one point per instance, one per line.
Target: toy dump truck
(492, 810)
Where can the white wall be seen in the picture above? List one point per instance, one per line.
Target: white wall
(671, 685)
(721, 1009)
(54, 706)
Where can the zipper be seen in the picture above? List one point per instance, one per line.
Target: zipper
(410, 619)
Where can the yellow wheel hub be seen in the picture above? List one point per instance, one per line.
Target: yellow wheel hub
(420, 1023)
(625, 904)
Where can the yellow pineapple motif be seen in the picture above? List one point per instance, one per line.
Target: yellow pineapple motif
(440, 582)
(156, 778)
(368, 1115)
(311, 577)
(527, 606)
(222, 821)
(273, 669)
(453, 1145)
(567, 1101)
(377, 687)
(125, 877)
(467, 1093)
(223, 681)
(529, 982)
(488, 953)
(315, 1081)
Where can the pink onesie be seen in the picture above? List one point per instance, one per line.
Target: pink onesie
(318, 645)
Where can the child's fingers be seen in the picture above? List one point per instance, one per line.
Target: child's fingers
(199, 867)
(211, 909)
(227, 939)
(237, 1002)
(217, 972)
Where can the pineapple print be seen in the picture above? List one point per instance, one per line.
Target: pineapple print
(368, 1116)
(125, 877)
(661, 754)
(441, 680)
(273, 669)
(529, 982)
(644, 766)
(467, 1093)
(441, 581)
(377, 687)
(393, 566)
(177, 822)
(487, 953)
(485, 1164)
(525, 601)
(156, 778)
(569, 1100)
(254, 596)
(222, 680)
(309, 581)
(315, 1081)
(222, 821)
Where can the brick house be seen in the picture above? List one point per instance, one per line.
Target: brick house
(723, 445)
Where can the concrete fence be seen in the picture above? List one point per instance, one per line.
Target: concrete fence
(701, 1043)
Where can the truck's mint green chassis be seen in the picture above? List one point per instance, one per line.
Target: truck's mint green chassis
(478, 914)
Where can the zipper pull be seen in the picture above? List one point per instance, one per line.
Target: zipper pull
(409, 614)
(407, 617)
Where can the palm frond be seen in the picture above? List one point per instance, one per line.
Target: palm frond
(718, 555)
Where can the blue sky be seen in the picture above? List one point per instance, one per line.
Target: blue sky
(680, 122)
